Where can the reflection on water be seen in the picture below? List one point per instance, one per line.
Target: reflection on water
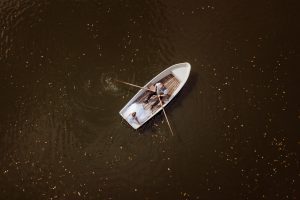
(235, 121)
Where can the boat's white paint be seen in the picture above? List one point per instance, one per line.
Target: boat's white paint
(181, 71)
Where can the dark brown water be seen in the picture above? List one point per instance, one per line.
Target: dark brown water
(236, 121)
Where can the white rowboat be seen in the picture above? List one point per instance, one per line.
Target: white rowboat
(173, 79)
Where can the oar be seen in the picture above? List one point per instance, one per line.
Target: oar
(134, 85)
(165, 114)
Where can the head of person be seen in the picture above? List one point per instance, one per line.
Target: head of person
(133, 114)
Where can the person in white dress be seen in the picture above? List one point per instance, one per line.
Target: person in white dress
(136, 114)
(132, 118)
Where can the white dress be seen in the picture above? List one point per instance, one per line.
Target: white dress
(141, 114)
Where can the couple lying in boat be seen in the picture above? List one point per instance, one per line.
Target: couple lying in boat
(137, 113)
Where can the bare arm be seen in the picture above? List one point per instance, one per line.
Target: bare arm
(136, 119)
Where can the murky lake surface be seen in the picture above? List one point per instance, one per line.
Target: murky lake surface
(236, 121)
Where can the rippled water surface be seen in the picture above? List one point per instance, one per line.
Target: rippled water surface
(236, 121)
